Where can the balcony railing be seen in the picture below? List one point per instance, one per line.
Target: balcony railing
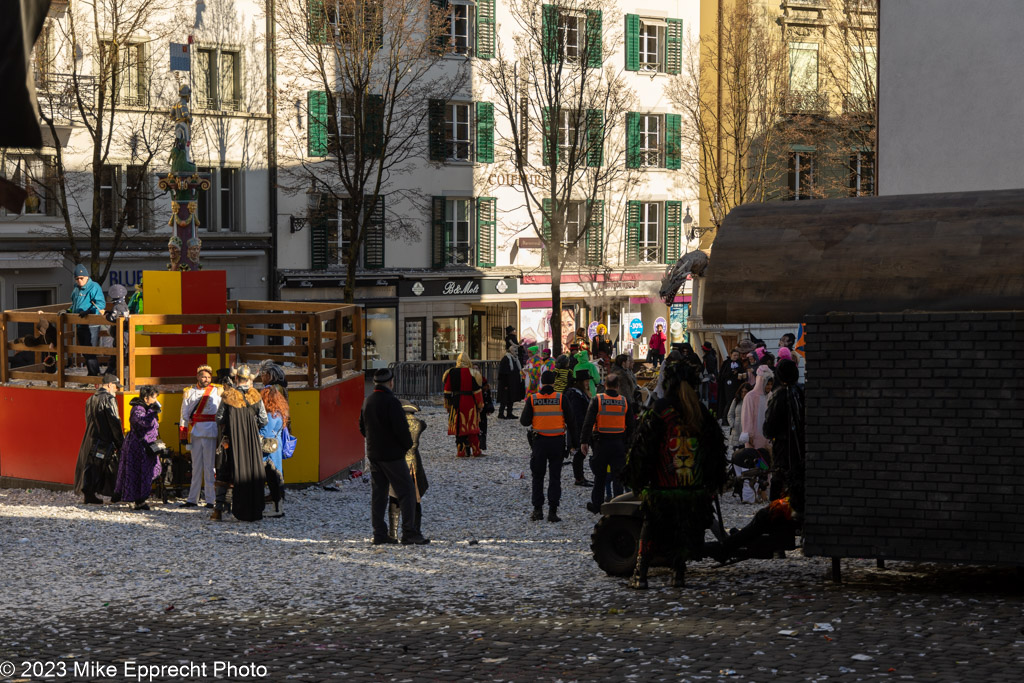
(857, 104)
(59, 92)
(806, 102)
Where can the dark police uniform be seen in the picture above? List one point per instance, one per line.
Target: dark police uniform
(607, 428)
(551, 419)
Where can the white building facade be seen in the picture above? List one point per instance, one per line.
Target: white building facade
(468, 262)
(230, 130)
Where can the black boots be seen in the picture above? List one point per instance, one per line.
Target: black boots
(538, 515)
(553, 514)
(679, 576)
(394, 514)
(639, 578)
(91, 499)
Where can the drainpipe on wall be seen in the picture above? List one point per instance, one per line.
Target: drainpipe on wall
(273, 290)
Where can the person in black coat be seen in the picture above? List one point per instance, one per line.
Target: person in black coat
(784, 425)
(382, 421)
(728, 384)
(510, 383)
(576, 397)
(96, 471)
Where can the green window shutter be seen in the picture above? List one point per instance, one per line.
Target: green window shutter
(373, 128)
(545, 228)
(441, 39)
(318, 241)
(550, 155)
(632, 42)
(485, 29)
(633, 232)
(435, 123)
(674, 46)
(317, 28)
(595, 232)
(595, 51)
(438, 243)
(632, 140)
(549, 34)
(484, 133)
(595, 137)
(486, 231)
(673, 231)
(373, 242)
(673, 131)
(316, 127)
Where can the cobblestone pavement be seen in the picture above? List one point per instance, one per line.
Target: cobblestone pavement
(493, 598)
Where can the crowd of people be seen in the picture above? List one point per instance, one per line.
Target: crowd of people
(236, 437)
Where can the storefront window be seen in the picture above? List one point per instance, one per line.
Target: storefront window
(379, 347)
(450, 336)
(677, 327)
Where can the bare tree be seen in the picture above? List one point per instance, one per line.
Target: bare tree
(374, 65)
(102, 83)
(732, 91)
(561, 104)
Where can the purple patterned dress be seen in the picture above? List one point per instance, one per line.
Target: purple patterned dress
(138, 468)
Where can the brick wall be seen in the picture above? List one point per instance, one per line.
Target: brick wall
(915, 437)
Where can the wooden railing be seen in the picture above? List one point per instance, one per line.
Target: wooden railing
(321, 342)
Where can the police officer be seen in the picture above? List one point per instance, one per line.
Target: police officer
(550, 420)
(608, 428)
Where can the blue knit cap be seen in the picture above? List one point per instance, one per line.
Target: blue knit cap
(81, 271)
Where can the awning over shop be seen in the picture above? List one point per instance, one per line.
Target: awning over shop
(781, 261)
(30, 259)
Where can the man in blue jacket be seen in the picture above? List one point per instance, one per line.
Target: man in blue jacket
(382, 421)
(87, 299)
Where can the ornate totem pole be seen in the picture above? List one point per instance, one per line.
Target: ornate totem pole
(185, 184)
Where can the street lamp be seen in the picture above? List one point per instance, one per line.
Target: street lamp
(692, 231)
(313, 199)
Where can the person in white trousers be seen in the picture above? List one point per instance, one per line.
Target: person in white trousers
(199, 411)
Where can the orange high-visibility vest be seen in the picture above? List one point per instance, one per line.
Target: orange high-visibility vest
(611, 414)
(547, 414)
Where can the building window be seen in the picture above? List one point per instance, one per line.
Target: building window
(458, 143)
(346, 137)
(108, 196)
(36, 175)
(575, 217)
(569, 122)
(862, 174)
(450, 336)
(219, 208)
(460, 27)
(571, 35)
(803, 68)
(216, 79)
(863, 78)
(651, 141)
(650, 232)
(458, 226)
(652, 44)
(136, 194)
(801, 175)
(125, 69)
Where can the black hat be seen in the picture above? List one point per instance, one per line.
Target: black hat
(510, 329)
(787, 371)
(118, 292)
(583, 375)
(111, 378)
(548, 377)
(706, 346)
(383, 376)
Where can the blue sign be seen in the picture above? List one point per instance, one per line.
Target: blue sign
(180, 57)
(128, 278)
(636, 327)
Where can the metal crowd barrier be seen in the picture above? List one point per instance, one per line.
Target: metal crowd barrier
(422, 379)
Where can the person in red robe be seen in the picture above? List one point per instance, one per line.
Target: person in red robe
(464, 399)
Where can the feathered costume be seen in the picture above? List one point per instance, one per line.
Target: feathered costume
(464, 399)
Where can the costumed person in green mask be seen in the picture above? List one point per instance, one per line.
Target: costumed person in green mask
(583, 362)
(677, 464)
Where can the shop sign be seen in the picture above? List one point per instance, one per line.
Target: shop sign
(126, 278)
(512, 179)
(531, 243)
(660, 321)
(592, 330)
(636, 327)
(457, 287)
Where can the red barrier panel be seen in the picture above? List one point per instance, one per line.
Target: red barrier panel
(341, 444)
(41, 429)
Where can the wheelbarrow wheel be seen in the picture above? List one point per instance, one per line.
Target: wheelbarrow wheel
(615, 541)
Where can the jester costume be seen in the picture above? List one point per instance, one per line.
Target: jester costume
(533, 370)
(464, 400)
(676, 469)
